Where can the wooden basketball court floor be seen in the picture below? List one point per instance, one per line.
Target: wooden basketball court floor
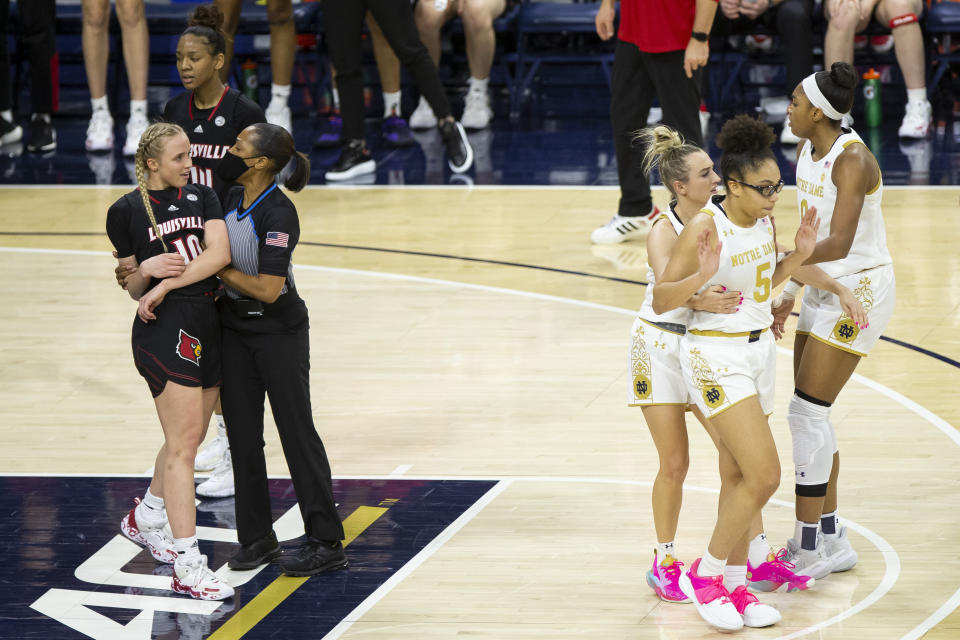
(476, 334)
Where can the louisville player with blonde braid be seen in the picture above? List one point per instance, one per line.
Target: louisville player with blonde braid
(176, 339)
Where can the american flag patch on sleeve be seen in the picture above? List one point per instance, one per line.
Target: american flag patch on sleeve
(277, 239)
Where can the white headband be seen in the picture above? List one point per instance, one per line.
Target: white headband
(817, 99)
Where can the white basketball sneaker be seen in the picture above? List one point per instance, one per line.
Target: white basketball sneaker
(220, 482)
(155, 537)
(279, 115)
(211, 455)
(476, 110)
(135, 128)
(917, 120)
(422, 117)
(100, 131)
(839, 551)
(193, 578)
(754, 612)
(623, 228)
(808, 563)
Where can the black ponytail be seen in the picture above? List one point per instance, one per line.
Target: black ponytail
(276, 143)
(300, 175)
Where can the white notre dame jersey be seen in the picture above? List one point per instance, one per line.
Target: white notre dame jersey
(747, 263)
(680, 315)
(815, 188)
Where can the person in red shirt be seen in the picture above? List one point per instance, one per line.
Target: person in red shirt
(661, 46)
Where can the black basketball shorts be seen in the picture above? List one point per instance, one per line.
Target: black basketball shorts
(182, 345)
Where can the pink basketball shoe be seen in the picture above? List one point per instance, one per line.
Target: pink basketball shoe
(664, 579)
(754, 612)
(712, 599)
(776, 575)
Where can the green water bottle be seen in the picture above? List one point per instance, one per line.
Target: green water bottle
(873, 106)
(250, 82)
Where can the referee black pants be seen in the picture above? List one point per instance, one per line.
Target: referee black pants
(278, 365)
(37, 34)
(637, 78)
(343, 24)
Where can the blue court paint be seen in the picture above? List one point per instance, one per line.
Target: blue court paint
(63, 542)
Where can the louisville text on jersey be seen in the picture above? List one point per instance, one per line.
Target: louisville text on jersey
(209, 151)
(172, 226)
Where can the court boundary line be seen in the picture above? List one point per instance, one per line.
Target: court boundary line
(942, 425)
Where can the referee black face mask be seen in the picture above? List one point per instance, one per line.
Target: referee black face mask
(233, 166)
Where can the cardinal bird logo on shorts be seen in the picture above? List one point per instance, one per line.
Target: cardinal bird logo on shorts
(189, 348)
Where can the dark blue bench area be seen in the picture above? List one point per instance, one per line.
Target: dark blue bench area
(531, 36)
(165, 23)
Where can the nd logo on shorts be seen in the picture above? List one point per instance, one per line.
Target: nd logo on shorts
(713, 395)
(846, 330)
(642, 387)
(189, 348)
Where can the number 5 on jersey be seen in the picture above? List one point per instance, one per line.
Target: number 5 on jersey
(763, 283)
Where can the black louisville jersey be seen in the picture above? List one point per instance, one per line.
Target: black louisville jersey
(180, 215)
(212, 131)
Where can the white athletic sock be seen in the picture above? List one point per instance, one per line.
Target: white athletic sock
(759, 550)
(917, 95)
(336, 98)
(278, 96)
(138, 108)
(186, 548)
(100, 104)
(7, 115)
(479, 85)
(709, 566)
(734, 576)
(221, 425)
(151, 501)
(391, 104)
(665, 549)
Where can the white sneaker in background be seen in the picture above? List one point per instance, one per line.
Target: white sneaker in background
(279, 115)
(135, 128)
(787, 137)
(100, 131)
(220, 482)
(476, 111)
(917, 120)
(422, 117)
(622, 228)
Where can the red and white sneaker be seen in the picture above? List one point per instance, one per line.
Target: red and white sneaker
(754, 612)
(193, 578)
(776, 575)
(663, 578)
(712, 599)
(154, 538)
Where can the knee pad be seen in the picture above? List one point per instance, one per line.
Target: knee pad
(899, 21)
(813, 445)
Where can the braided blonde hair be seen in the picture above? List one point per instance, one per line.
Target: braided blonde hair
(667, 151)
(151, 145)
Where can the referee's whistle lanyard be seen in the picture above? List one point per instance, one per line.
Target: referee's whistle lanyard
(255, 202)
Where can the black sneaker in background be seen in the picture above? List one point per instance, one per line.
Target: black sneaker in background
(42, 135)
(10, 132)
(355, 160)
(315, 556)
(459, 151)
(251, 556)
